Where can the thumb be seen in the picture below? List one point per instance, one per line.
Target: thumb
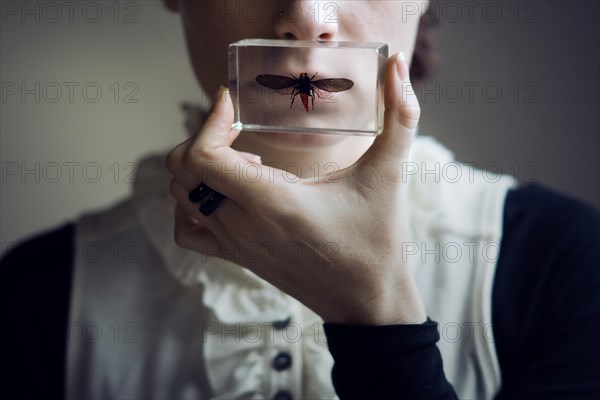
(216, 133)
(402, 112)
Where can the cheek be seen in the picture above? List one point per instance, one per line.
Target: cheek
(207, 41)
(381, 21)
(226, 22)
(209, 61)
(207, 48)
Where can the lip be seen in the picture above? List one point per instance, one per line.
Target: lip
(277, 102)
(299, 61)
(295, 69)
(313, 67)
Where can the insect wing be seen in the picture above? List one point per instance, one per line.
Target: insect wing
(334, 84)
(276, 82)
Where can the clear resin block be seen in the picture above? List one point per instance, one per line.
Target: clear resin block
(307, 87)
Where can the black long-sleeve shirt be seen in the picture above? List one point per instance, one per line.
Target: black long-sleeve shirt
(545, 315)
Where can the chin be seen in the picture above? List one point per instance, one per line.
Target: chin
(297, 141)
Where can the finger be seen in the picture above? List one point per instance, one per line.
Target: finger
(213, 142)
(192, 235)
(173, 159)
(174, 165)
(212, 222)
(210, 158)
(250, 157)
(218, 123)
(189, 181)
(402, 113)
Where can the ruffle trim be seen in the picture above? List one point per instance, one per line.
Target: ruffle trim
(235, 294)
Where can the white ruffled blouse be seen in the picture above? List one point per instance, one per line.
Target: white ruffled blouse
(150, 320)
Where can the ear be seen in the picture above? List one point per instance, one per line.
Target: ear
(171, 5)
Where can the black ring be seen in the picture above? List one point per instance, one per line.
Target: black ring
(210, 205)
(198, 194)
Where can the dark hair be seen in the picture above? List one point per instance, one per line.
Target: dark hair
(424, 60)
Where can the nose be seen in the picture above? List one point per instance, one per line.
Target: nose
(307, 20)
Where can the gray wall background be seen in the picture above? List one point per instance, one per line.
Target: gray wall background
(532, 110)
(543, 56)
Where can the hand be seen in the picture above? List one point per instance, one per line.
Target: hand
(335, 245)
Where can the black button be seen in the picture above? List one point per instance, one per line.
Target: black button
(279, 325)
(282, 361)
(283, 395)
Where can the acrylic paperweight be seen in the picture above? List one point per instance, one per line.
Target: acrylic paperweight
(307, 87)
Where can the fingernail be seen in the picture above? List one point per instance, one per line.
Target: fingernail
(400, 62)
(220, 94)
(224, 92)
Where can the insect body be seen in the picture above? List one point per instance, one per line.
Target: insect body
(304, 86)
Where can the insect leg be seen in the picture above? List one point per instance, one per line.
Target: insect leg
(295, 93)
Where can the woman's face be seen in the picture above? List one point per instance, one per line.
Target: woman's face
(211, 25)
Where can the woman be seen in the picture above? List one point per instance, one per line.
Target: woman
(193, 324)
